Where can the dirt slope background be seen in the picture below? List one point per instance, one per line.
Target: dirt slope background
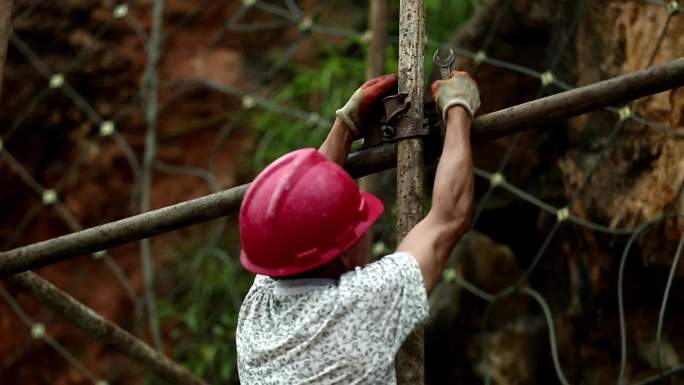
(616, 174)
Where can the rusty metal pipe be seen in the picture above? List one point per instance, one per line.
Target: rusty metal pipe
(504, 122)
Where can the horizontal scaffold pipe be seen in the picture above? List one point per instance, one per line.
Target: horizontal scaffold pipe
(612, 92)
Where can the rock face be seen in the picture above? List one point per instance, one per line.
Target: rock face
(639, 171)
(619, 174)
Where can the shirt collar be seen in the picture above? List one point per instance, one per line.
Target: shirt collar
(301, 285)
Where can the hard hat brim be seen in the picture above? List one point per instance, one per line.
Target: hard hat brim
(375, 210)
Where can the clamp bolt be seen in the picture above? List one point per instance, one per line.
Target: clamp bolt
(388, 131)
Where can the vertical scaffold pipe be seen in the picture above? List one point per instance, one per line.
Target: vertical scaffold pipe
(410, 358)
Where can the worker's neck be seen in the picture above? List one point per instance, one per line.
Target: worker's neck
(331, 270)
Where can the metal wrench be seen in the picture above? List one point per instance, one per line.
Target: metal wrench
(444, 64)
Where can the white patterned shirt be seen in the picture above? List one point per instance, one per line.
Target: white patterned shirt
(320, 331)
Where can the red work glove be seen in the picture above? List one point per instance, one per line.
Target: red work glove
(358, 109)
(459, 90)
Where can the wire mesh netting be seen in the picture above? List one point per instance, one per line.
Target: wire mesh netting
(115, 108)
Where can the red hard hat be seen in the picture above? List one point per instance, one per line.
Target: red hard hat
(302, 211)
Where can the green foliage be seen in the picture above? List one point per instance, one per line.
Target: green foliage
(444, 17)
(201, 314)
(320, 88)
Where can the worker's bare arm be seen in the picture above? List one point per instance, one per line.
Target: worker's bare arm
(338, 142)
(432, 239)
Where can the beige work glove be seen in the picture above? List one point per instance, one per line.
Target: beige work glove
(357, 112)
(459, 90)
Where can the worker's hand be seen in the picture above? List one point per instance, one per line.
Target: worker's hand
(358, 110)
(459, 90)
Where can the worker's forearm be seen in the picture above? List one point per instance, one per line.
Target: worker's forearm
(432, 239)
(452, 196)
(336, 146)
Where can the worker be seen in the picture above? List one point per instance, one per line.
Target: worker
(317, 313)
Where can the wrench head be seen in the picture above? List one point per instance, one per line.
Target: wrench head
(443, 62)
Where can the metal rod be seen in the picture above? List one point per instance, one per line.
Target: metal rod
(122, 231)
(102, 329)
(490, 126)
(611, 92)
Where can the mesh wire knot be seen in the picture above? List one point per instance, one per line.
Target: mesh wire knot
(248, 102)
(366, 37)
(106, 128)
(37, 330)
(120, 11)
(673, 6)
(306, 24)
(449, 275)
(99, 254)
(56, 81)
(379, 248)
(313, 119)
(625, 113)
(497, 179)
(49, 197)
(248, 3)
(563, 214)
(547, 78)
(480, 56)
